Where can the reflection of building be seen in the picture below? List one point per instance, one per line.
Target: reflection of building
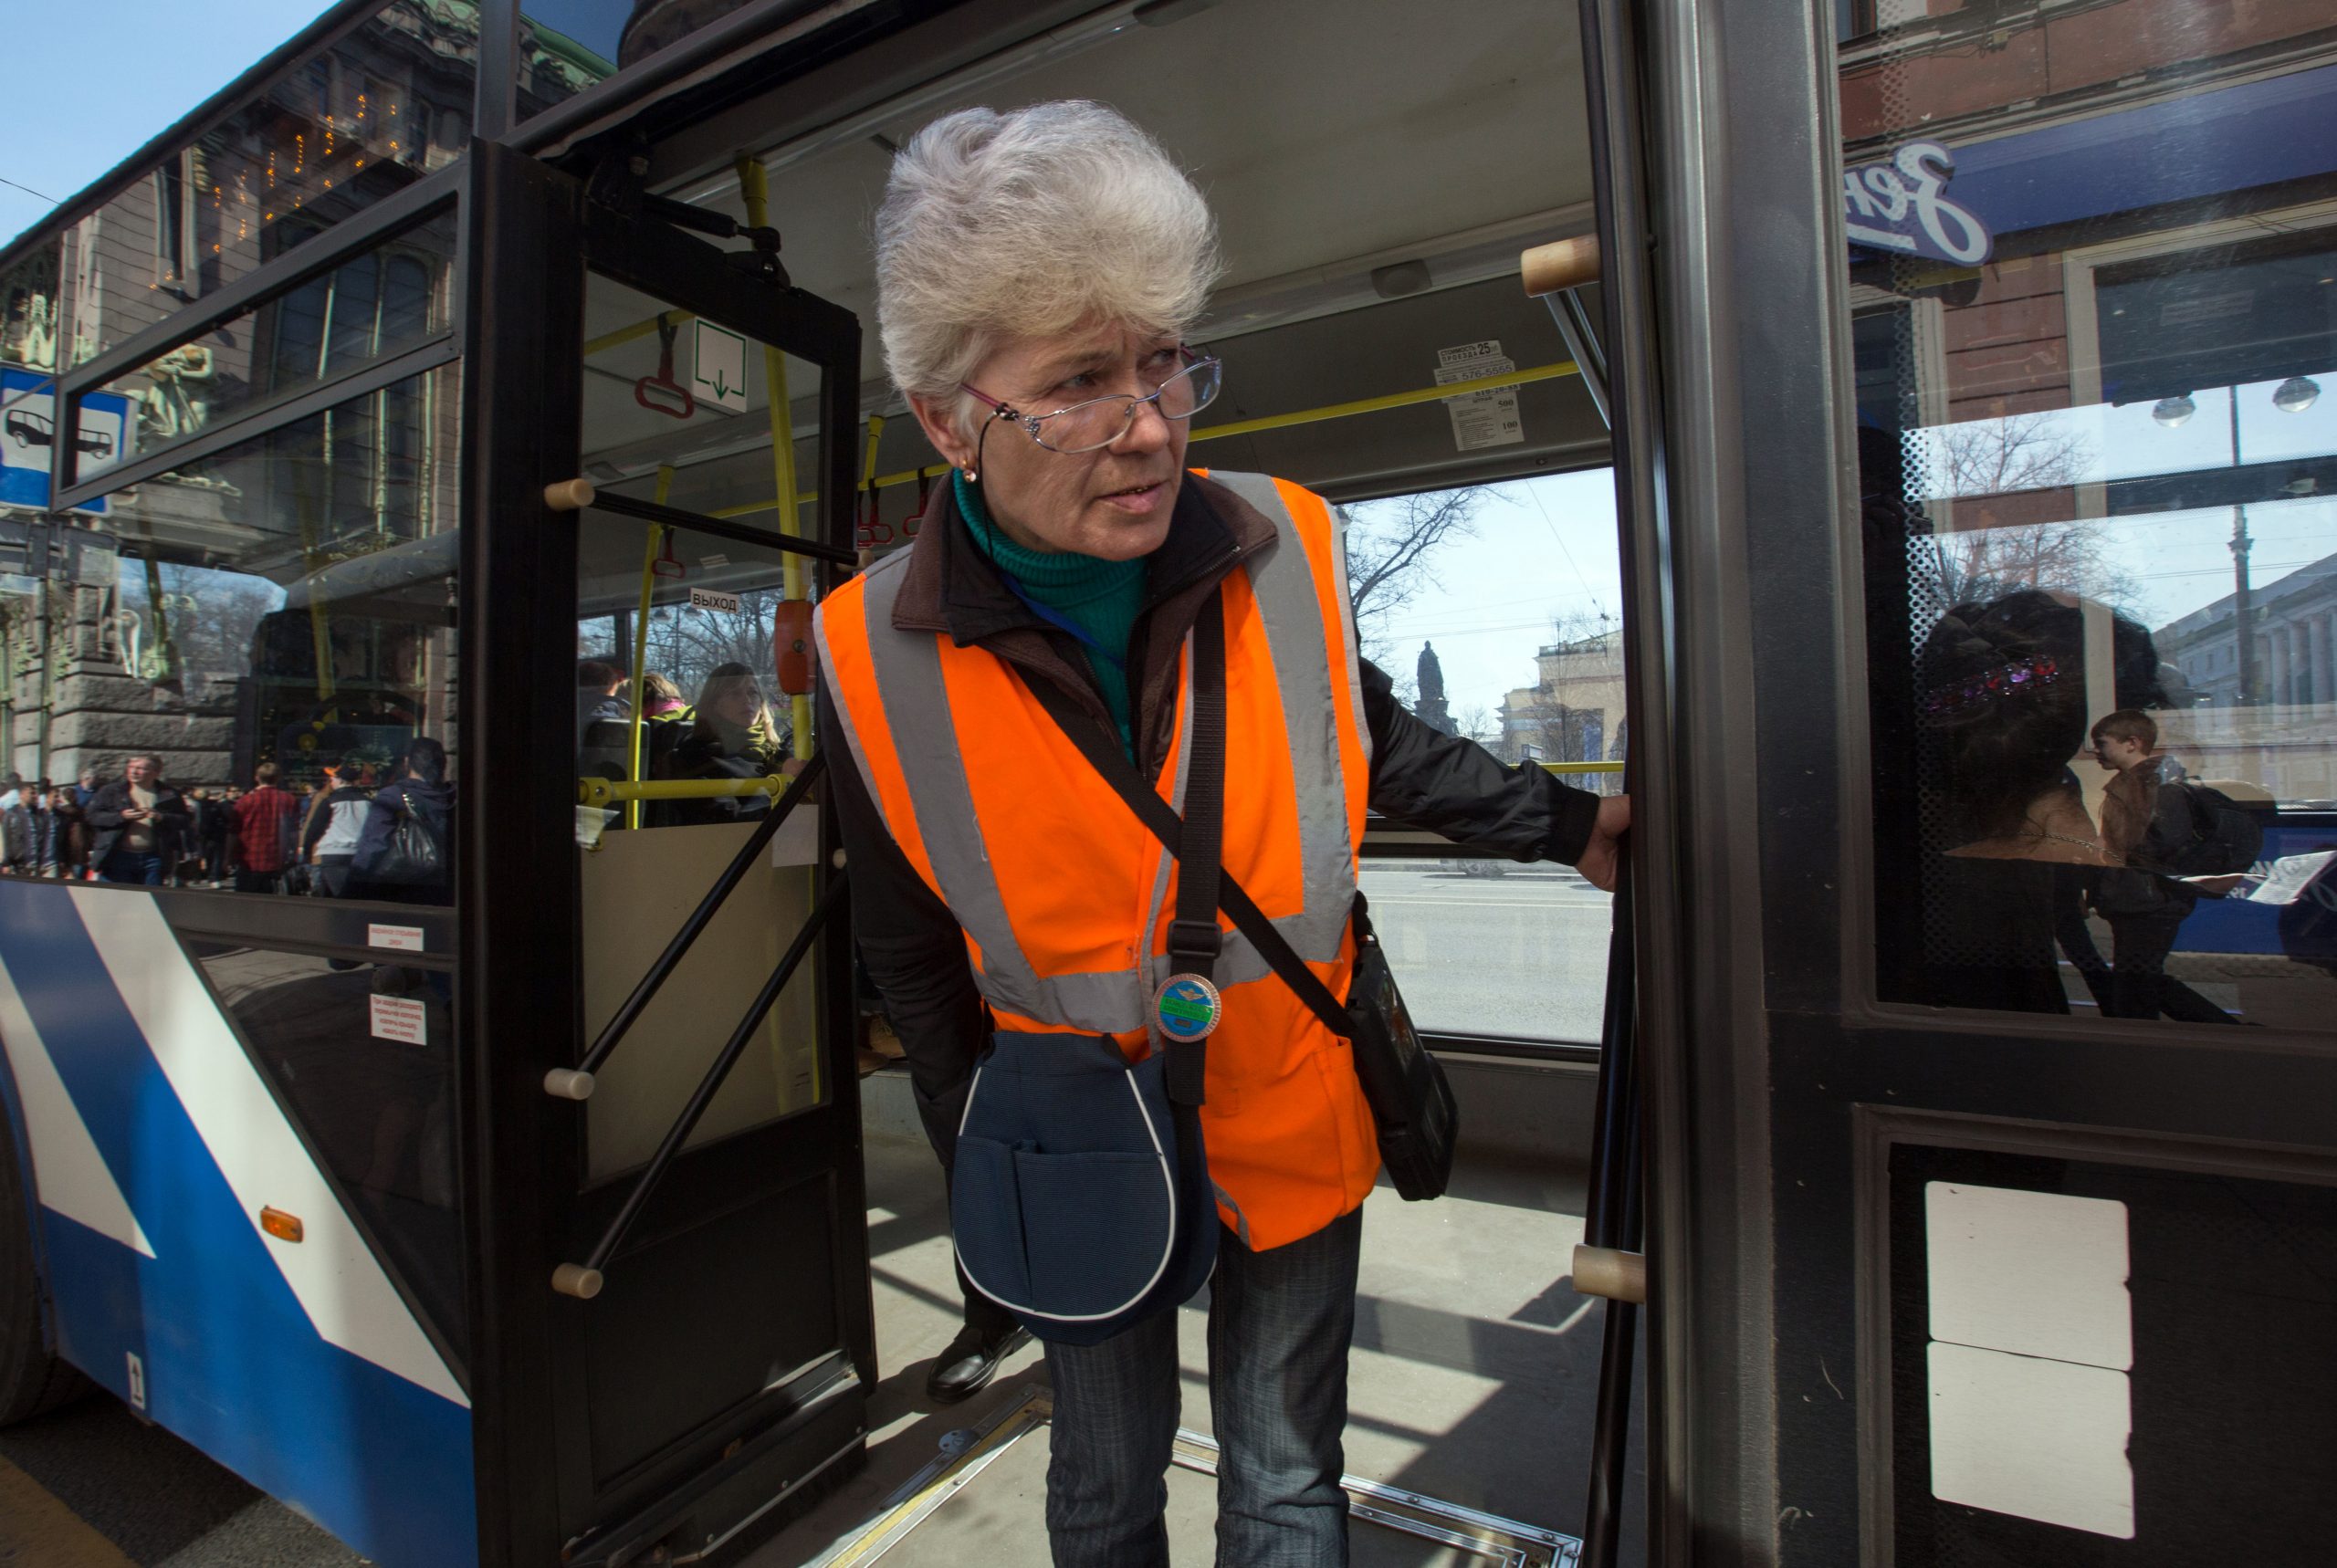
(2294, 624)
(1573, 711)
(2280, 741)
(141, 649)
(2114, 204)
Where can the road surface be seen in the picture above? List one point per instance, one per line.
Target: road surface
(1524, 954)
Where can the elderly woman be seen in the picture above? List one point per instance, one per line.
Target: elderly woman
(1078, 604)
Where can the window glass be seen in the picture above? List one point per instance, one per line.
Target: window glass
(257, 651)
(362, 1056)
(567, 45)
(2097, 466)
(1494, 947)
(385, 105)
(1493, 611)
(686, 699)
(371, 308)
(30, 312)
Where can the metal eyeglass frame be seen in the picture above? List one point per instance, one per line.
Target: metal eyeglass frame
(1031, 422)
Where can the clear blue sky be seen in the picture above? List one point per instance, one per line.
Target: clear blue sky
(89, 83)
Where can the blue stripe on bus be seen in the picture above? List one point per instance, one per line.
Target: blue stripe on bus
(231, 1362)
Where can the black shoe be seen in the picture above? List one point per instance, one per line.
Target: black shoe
(971, 1362)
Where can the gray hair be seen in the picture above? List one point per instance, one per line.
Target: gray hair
(1030, 222)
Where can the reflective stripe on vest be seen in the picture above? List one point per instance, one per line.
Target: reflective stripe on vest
(900, 682)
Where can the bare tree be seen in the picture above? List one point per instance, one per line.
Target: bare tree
(2024, 453)
(1482, 725)
(2019, 452)
(1391, 546)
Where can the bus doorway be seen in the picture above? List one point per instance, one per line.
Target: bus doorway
(1381, 351)
(700, 1286)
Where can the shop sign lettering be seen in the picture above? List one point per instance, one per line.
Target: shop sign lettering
(1902, 205)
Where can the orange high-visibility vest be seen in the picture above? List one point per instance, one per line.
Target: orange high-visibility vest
(1065, 898)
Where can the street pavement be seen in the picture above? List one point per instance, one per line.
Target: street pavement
(1522, 955)
(91, 1486)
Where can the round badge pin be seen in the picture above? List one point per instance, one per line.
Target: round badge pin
(1188, 1008)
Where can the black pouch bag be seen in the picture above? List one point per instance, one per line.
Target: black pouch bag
(1080, 1199)
(1411, 1101)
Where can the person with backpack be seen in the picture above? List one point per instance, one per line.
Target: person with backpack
(406, 849)
(2158, 828)
(336, 821)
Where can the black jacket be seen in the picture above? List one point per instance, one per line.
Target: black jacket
(910, 942)
(171, 820)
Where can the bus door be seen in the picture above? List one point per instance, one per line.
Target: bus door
(1987, 978)
(673, 1222)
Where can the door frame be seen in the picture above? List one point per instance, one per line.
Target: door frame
(533, 234)
(1783, 1074)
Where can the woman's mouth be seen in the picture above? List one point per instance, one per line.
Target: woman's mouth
(1138, 498)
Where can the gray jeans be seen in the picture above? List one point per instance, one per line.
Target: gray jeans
(1279, 1326)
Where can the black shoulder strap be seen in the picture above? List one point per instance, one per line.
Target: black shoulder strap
(1205, 830)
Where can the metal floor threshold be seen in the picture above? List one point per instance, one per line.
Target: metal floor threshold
(1503, 1542)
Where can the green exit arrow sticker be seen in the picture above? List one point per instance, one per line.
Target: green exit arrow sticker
(719, 366)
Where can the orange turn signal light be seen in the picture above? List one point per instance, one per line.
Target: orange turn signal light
(282, 1226)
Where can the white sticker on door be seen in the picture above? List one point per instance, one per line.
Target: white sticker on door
(400, 1018)
(396, 939)
(1480, 419)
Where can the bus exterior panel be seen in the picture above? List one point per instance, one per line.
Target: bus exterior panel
(154, 1142)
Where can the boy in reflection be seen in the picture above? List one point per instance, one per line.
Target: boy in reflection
(2145, 817)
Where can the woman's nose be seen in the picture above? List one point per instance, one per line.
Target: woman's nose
(1147, 429)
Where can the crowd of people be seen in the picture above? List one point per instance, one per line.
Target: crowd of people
(352, 832)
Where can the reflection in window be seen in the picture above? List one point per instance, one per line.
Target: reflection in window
(362, 1056)
(370, 308)
(286, 605)
(2099, 501)
(337, 134)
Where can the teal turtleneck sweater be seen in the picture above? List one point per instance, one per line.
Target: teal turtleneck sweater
(1101, 598)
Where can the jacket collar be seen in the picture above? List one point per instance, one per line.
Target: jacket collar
(949, 585)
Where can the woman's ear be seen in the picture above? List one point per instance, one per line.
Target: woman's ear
(937, 418)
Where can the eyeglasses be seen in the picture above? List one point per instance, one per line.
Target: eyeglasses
(1099, 421)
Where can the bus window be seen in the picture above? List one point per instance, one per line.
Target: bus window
(321, 143)
(2096, 468)
(676, 690)
(286, 605)
(363, 1056)
(371, 308)
(1493, 611)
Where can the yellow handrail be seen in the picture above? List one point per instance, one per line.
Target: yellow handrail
(1582, 767)
(641, 636)
(756, 191)
(615, 792)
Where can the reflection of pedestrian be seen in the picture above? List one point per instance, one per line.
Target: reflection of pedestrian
(140, 824)
(2145, 818)
(334, 825)
(19, 832)
(405, 848)
(68, 833)
(264, 832)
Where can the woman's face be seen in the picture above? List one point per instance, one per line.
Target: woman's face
(1112, 503)
(737, 702)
